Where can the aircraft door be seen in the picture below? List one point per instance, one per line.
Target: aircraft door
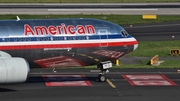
(103, 37)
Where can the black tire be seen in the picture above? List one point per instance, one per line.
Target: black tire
(102, 78)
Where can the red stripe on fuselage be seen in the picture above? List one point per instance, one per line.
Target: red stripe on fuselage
(83, 45)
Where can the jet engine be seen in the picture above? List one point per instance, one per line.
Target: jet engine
(13, 70)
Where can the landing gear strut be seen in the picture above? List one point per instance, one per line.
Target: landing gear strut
(103, 66)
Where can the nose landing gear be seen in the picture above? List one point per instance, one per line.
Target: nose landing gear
(104, 66)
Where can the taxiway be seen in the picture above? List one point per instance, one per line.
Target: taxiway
(164, 85)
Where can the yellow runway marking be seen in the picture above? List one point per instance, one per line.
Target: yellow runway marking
(96, 59)
(82, 54)
(110, 83)
(90, 57)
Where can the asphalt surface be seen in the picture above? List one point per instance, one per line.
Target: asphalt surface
(36, 90)
(155, 31)
(92, 8)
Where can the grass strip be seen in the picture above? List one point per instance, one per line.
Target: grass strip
(118, 19)
(150, 49)
(84, 1)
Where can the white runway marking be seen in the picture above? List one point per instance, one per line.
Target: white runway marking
(55, 10)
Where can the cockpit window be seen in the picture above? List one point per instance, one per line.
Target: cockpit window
(124, 33)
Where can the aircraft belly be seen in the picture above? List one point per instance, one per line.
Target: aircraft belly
(54, 58)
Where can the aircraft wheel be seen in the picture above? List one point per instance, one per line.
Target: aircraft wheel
(102, 78)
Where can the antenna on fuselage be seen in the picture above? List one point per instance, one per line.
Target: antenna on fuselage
(17, 18)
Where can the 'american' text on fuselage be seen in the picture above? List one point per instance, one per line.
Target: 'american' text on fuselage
(58, 30)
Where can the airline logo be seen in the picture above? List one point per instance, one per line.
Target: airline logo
(59, 30)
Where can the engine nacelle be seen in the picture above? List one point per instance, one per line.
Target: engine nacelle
(13, 70)
(4, 54)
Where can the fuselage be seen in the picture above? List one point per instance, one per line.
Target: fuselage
(54, 43)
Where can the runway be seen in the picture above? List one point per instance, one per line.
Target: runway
(89, 5)
(91, 8)
(155, 31)
(35, 88)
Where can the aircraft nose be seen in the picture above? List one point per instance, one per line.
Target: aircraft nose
(136, 45)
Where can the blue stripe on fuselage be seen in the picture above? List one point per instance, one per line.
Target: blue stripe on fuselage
(56, 38)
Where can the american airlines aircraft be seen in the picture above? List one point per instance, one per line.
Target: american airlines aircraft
(55, 43)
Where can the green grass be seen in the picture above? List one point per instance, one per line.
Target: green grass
(118, 19)
(165, 64)
(171, 63)
(162, 48)
(83, 1)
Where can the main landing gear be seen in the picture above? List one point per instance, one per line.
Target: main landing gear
(104, 66)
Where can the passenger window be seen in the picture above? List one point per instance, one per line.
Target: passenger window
(38, 39)
(87, 37)
(28, 39)
(7, 40)
(74, 38)
(54, 38)
(78, 38)
(3, 40)
(70, 38)
(42, 39)
(83, 37)
(47, 38)
(15, 39)
(51, 38)
(19, 39)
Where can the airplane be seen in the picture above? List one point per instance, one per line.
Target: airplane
(56, 43)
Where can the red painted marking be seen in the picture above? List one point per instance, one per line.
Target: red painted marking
(82, 45)
(108, 53)
(152, 83)
(144, 77)
(59, 61)
(149, 80)
(66, 80)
